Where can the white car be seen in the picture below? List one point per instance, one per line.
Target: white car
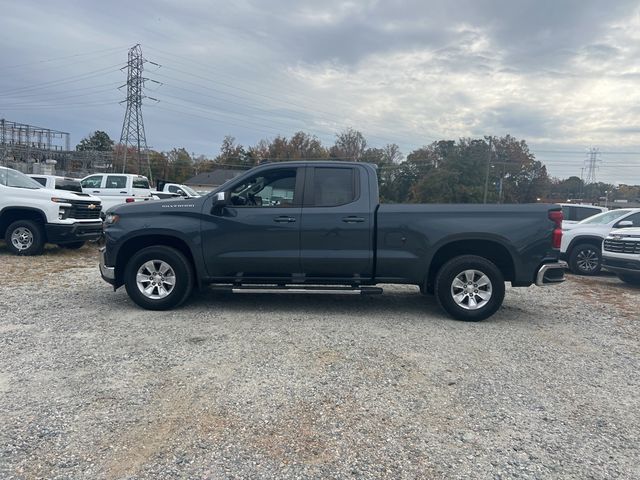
(621, 254)
(576, 212)
(117, 188)
(581, 245)
(31, 215)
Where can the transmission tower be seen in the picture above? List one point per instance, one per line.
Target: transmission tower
(591, 165)
(133, 135)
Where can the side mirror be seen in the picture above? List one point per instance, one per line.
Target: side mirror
(624, 224)
(181, 193)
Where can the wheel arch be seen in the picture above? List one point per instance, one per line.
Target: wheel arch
(9, 215)
(589, 239)
(137, 243)
(489, 248)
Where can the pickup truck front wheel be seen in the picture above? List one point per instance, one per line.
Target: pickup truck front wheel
(25, 237)
(470, 288)
(158, 278)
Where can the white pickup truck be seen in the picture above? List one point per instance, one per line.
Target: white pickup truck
(117, 188)
(31, 215)
(167, 189)
(55, 182)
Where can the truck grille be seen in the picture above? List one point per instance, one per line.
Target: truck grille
(85, 210)
(622, 246)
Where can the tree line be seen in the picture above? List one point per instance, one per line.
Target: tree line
(467, 170)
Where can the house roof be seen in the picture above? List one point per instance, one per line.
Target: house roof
(215, 177)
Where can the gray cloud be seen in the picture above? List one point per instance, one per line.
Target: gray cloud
(559, 73)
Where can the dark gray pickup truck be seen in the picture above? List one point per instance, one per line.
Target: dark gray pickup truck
(317, 227)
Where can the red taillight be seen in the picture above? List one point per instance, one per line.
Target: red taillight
(556, 217)
(130, 200)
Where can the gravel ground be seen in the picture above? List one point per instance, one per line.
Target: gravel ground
(285, 386)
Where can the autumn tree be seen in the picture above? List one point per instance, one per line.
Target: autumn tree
(96, 141)
(350, 145)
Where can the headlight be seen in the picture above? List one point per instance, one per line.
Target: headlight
(111, 218)
(60, 200)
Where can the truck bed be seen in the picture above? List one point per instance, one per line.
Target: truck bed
(410, 236)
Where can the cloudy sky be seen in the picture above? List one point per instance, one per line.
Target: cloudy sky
(563, 75)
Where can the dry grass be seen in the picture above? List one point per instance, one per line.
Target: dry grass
(21, 270)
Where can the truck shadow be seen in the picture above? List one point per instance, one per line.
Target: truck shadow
(393, 304)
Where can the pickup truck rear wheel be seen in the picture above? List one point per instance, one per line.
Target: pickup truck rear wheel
(158, 278)
(25, 237)
(470, 288)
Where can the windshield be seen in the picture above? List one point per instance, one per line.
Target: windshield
(604, 218)
(68, 184)
(14, 178)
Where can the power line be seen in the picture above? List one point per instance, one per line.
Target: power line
(63, 81)
(65, 57)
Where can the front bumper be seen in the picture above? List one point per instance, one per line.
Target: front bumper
(108, 273)
(74, 232)
(550, 273)
(621, 264)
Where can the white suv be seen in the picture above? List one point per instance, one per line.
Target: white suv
(576, 212)
(582, 245)
(31, 215)
(621, 253)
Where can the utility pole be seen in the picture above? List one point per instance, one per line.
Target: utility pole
(486, 176)
(133, 134)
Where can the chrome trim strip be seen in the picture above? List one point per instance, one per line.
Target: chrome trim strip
(106, 272)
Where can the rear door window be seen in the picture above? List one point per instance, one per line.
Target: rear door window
(116, 181)
(333, 186)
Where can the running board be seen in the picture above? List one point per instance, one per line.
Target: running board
(311, 289)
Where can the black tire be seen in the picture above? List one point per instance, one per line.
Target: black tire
(183, 278)
(585, 259)
(454, 268)
(31, 241)
(72, 246)
(630, 279)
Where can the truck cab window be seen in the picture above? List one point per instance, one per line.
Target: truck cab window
(333, 186)
(273, 188)
(116, 181)
(92, 182)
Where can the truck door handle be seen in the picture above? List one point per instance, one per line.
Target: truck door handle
(124, 192)
(284, 219)
(353, 219)
(96, 191)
